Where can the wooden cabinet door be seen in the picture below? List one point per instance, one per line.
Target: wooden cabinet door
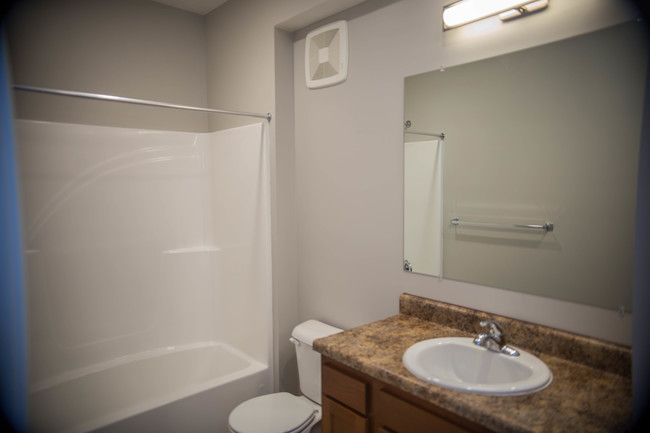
(356, 403)
(339, 419)
(345, 389)
(398, 416)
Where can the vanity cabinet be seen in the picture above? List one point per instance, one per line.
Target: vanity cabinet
(345, 400)
(354, 402)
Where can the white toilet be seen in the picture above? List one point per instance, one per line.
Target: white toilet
(283, 412)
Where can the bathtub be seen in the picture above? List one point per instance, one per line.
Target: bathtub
(191, 388)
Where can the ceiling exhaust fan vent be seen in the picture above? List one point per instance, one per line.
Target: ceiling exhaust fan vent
(326, 55)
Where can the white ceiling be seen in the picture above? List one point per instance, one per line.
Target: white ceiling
(200, 7)
(325, 8)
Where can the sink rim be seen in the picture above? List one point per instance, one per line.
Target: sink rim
(540, 377)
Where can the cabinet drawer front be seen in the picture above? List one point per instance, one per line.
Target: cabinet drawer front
(396, 415)
(345, 389)
(340, 419)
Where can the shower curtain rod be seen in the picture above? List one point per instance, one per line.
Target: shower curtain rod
(407, 125)
(135, 101)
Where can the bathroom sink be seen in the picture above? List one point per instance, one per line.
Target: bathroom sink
(459, 364)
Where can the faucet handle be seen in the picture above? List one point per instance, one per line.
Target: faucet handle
(496, 340)
(495, 329)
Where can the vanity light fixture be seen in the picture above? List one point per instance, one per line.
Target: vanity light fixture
(524, 10)
(467, 11)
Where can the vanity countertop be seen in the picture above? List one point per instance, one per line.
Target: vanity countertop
(591, 389)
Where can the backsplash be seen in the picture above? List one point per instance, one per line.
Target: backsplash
(594, 353)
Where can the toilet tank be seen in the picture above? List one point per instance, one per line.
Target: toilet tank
(303, 337)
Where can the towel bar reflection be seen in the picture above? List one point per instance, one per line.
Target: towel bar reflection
(407, 125)
(547, 227)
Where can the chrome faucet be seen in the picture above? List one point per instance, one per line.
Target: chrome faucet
(494, 339)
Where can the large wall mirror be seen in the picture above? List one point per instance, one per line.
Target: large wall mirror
(544, 135)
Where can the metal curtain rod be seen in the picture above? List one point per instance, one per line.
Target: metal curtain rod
(135, 101)
(547, 227)
(407, 125)
(441, 136)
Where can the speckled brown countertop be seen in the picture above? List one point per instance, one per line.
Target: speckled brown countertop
(591, 389)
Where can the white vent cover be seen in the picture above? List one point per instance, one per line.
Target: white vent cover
(326, 55)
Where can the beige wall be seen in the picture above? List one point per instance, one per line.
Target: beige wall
(137, 49)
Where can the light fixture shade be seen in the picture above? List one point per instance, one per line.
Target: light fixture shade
(466, 11)
(326, 55)
(510, 14)
(536, 6)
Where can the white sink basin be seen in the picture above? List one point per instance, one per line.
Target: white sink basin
(459, 364)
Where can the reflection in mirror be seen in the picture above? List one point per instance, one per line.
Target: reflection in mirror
(423, 206)
(548, 134)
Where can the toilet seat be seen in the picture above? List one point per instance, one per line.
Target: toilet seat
(273, 413)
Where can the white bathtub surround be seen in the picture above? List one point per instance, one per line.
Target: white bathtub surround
(148, 253)
(133, 384)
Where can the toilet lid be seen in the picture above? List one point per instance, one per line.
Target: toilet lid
(274, 413)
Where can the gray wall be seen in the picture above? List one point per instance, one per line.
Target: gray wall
(250, 68)
(641, 352)
(337, 183)
(137, 49)
(349, 173)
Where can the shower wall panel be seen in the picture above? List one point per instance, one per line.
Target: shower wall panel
(141, 239)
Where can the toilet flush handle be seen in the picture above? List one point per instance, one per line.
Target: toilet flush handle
(294, 341)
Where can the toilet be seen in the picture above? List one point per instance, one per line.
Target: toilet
(283, 412)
